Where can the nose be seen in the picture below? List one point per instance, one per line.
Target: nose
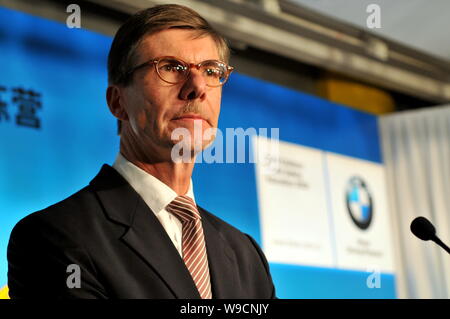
(194, 87)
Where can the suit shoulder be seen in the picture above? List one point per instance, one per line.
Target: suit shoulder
(66, 213)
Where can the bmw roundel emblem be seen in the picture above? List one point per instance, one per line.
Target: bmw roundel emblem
(359, 202)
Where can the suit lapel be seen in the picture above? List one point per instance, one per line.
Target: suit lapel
(149, 239)
(221, 259)
(145, 234)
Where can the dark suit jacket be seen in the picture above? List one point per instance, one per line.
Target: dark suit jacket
(123, 251)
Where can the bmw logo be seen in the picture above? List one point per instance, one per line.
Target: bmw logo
(359, 202)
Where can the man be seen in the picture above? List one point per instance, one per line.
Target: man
(135, 230)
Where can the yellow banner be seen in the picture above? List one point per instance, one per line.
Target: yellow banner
(4, 293)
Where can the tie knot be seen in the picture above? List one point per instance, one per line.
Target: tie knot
(183, 208)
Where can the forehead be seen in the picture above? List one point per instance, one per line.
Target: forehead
(180, 43)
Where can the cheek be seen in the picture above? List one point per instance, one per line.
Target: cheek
(151, 108)
(215, 105)
(142, 120)
(138, 122)
(142, 117)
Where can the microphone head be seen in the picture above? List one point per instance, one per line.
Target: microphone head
(423, 228)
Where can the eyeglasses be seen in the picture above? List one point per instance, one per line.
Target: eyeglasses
(174, 70)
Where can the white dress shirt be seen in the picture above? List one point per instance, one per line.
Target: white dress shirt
(156, 195)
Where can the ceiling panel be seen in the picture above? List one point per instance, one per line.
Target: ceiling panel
(421, 24)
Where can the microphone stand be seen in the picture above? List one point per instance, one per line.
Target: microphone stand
(440, 243)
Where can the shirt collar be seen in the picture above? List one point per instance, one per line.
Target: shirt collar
(155, 193)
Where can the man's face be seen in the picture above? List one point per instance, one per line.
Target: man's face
(156, 108)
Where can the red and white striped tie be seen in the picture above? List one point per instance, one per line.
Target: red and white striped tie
(193, 243)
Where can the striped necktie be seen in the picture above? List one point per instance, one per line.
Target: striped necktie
(193, 243)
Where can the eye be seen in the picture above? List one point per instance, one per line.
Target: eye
(171, 66)
(211, 72)
(214, 72)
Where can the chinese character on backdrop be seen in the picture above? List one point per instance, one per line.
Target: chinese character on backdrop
(3, 111)
(28, 102)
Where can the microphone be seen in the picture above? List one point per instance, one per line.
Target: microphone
(424, 229)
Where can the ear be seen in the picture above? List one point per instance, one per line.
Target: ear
(115, 100)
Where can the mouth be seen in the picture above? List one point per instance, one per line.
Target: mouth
(190, 117)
